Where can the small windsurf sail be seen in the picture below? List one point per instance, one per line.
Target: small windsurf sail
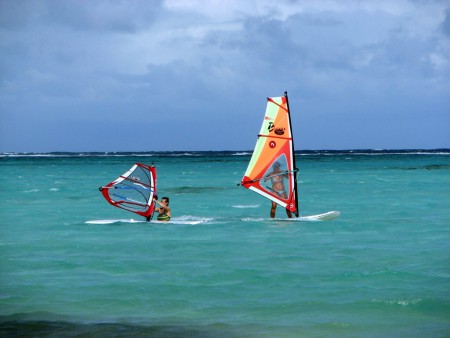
(272, 172)
(134, 190)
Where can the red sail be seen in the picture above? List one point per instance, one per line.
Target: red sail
(134, 190)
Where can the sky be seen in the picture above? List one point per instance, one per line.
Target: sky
(178, 75)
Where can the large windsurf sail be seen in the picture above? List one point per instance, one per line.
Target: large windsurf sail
(134, 190)
(272, 172)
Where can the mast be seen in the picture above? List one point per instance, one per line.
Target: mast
(293, 156)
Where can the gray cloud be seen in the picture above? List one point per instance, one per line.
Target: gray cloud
(178, 69)
(446, 23)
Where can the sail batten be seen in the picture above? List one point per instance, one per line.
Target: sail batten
(272, 171)
(283, 138)
(270, 176)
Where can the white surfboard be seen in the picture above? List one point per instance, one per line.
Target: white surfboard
(327, 216)
(172, 221)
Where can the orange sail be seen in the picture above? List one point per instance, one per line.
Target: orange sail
(272, 172)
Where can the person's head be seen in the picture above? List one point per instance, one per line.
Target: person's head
(276, 165)
(165, 200)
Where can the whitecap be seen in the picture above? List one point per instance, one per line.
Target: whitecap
(243, 206)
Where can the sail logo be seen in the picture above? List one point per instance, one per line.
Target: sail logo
(271, 127)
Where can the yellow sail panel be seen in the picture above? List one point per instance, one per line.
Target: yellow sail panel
(271, 171)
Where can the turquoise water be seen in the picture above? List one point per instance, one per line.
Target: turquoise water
(382, 269)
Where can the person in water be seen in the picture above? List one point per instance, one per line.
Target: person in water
(276, 177)
(164, 212)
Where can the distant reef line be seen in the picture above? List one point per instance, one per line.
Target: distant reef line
(443, 151)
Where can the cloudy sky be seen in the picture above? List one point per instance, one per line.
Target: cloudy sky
(144, 75)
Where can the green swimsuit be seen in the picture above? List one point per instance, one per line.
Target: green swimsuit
(163, 217)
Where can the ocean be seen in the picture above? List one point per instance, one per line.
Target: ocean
(223, 268)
